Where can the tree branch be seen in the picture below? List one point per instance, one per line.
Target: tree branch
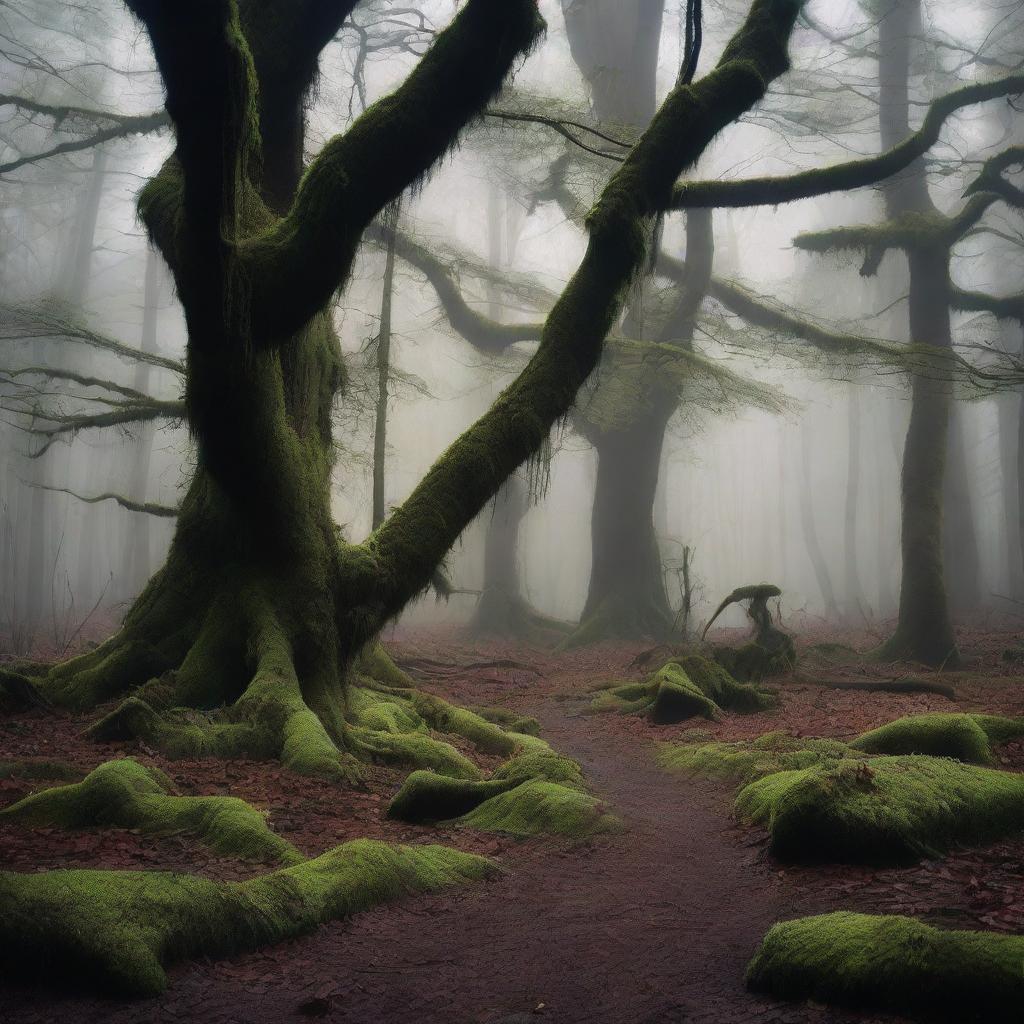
(852, 174)
(399, 138)
(146, 507)
(480, 331)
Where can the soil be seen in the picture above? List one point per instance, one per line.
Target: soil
(652, 925)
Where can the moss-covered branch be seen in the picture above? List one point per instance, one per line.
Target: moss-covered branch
(1005, 307)
(406, 547)
(294, 267)
(991, 177)
(909, 231)
(852, 174)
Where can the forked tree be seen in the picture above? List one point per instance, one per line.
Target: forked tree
(261, 606)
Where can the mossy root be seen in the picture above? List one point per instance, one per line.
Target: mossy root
(686, 687)
(536, 792)
(882, 810)
(126, 794)
(118, 930)
(893, 963)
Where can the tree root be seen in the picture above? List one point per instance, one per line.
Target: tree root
(881, 685)
(687, 687)
(536, 792)
(118, 930)
(125, 794)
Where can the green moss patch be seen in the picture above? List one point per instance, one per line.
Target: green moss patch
(536, 792)
(118, 930)
(894, 963)
(964, 737)
(882, 809)
(687, 687)
(746, 761)
(126, 794)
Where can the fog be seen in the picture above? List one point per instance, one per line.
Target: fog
(795, 482)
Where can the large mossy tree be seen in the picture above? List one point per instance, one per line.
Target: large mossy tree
(262, 609)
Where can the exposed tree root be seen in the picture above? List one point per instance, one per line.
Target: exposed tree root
(684, 688)
(881, 685)
(535, 792)
(894, 963)
(118, 930)
(125, 794)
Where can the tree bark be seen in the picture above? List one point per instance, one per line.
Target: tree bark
(854, 588)
(924, 631)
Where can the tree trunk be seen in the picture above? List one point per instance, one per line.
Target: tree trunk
(960, 539)
(854, 590)
(810, 529)
(627, 596)
(924, 631)
(138, 564)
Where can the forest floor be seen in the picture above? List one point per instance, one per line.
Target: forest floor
(653, 924)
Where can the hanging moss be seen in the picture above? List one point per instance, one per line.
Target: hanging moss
(964, 737)
(685, 688)
(126, 794)
(882, 810)
(893, 963)
(118, 930)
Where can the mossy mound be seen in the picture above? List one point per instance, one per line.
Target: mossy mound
(118, 930)
(536, 792)
(962, 736)
(884, 810)
(126, 794)
(893, 963)
(538, 807)
(746, 761)
(753, 661)
(687, 687)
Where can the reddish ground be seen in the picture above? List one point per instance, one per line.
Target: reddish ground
(653, 925)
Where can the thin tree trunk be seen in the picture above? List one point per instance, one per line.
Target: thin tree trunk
(139, 563)
(383, 362)
(854, 589)
(810, 529)
(960, 539)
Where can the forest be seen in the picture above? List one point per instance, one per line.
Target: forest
(512, 510)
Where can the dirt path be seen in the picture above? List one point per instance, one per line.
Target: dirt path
(654, 925)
